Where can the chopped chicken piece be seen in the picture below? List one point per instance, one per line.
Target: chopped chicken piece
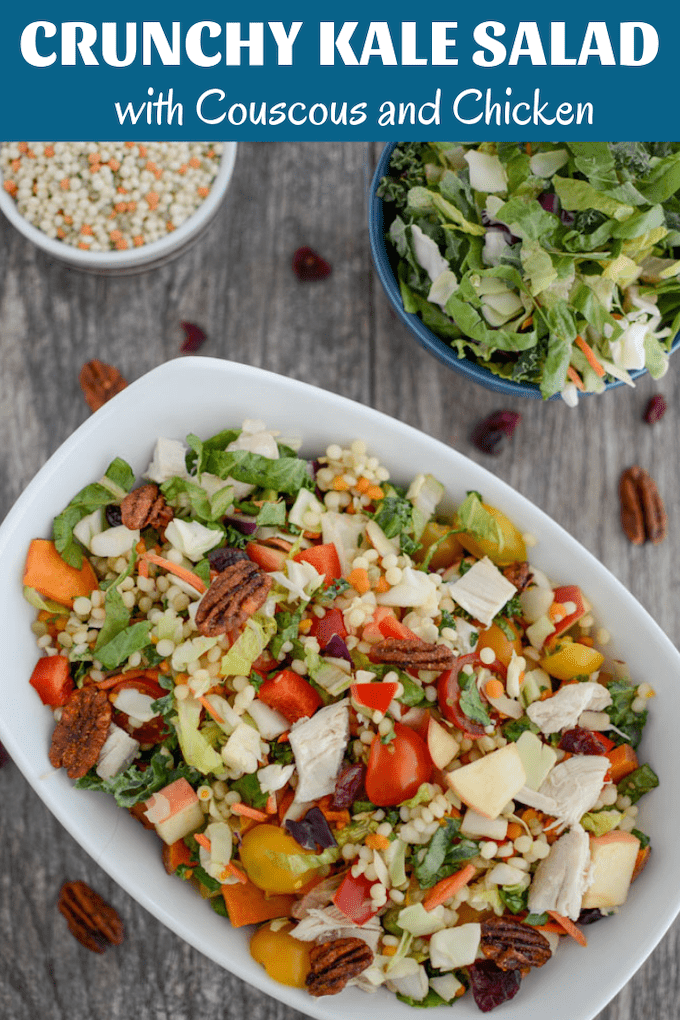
(330, 923)
(570, 790)
(562, 877)
(318, 745)
(119, 750)
(482, 591)
(562, 710)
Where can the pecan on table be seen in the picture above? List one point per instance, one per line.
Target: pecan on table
(643, 515)
(413, 654)
(145, 507)
(518, 573)
(335, 963)
(234, 595)
(513, 945)
(90, 919)
(81, 732)
(99, 382)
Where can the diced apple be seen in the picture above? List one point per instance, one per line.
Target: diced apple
(488, 784)
(478, 826)
(175, 811)
(613, 857)
(538, 758)
(441, 744)
(455, 947)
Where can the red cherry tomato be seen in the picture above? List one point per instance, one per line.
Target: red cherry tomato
(396, 770)
(448, 693)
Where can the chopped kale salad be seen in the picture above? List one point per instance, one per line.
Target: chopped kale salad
(374, 735)
(552, 263)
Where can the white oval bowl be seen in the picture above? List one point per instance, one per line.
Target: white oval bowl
(134, 260)
(203, 395)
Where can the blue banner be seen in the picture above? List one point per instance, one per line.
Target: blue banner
(222, 71)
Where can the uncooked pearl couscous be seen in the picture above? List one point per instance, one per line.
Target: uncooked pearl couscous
(108, 196)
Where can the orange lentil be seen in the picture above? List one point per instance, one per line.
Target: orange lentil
(95, 168)
(129, 145)
(138, 240)
(363, 484)
(153, 198)
(115, 235)
(87, 230)
(305, 626)
(64, 184)
(376, 841)
(382, 585)
(121, 190)
(10, 187)
(94, 157)
(169, 226)
(494, 689)
(195, 162)
(31, 154)
(132, 206)
(48, 151)
(339, 484)
(374, 492)
(114, 164)
(389, 950)
(183, 169)
(15, 164)
(203, 192)
(557, 612)
(23, 147)
(121, 244)
(68, 220)
(514, 830)
(143, 151)
(61, 233)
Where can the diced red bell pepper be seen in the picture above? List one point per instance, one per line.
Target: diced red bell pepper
(52, 680)
(324, 559)
(569, 593)
(353, 898)
(376, 697)
(290, 694)
(391, 627)
(266, 557)
(328, 626)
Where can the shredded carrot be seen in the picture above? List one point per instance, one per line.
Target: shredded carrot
(569, 927)
(249, 812)
(236, 872)
(132, 674)
(271, 804)
(590, 356)
(527, 148)
(174, 568)
(588, 641)
(551, 926)
(494, 689)
(376, 842)
(339, 818)
(575, 378)
(209, 708)
(375, 492)
(359, 580)
(201, 838)
(382, 585)
(448, 887)
(527, 323)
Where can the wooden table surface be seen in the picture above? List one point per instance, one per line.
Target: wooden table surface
(340, 334)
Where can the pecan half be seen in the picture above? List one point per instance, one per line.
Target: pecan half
(145, 507)
(513, 945)
(518, 573)
(643, 515)
(99, 382)
(413, 654)
(90, 919)
(81, 732)
(233, 596)
(335, 963)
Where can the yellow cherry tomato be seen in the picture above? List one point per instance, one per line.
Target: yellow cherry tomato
(258, 849)
(572, 659)
(502, 647)
(510, 549)
(447, 552)
(286, 959)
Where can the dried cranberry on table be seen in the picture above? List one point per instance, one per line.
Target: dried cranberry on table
(308, 265)
(492, 434)
(194, 337)
(655, 410)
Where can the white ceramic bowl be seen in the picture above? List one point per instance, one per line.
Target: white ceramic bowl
(134, 260)
(204, 395)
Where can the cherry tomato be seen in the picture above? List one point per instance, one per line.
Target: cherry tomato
(396, 770)
(258, 846)
(448, 693)
(286, 959)
(494, 638)
(510, 548)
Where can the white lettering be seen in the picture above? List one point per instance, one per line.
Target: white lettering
(558, 45)
(284, 42)
(329, 43)
(441, 44)
(152, 32)
(199, 106)
(650, 44)
(70, 31)
(193, 43)
(488, 42)
(378, 32)
(527, 32)
(29, 43)
(254, 45)
(110, 44)
(597, 33)
(408, 46)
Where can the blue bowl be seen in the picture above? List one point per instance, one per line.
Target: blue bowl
(385, 259)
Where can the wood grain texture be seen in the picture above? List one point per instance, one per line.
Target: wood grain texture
(340, 333)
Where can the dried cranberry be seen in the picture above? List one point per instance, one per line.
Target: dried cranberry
(590, 915)
(194, 337)
(224, 557)
(347, 786)
(655, 410)
(113, 515)
(580, 741)
(492, 986)
(308, 265)
(492, 434)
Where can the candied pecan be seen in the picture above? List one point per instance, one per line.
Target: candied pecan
(81, 732)
(145, 507)
(413, 654)
(92, 920)
(513, 945)
(335, 963)
(233, 596)
(643, 515)
(99, 382)
(518, 573)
